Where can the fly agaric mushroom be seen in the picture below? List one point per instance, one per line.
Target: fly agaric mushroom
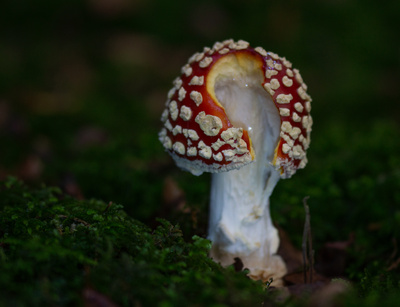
(242, 114)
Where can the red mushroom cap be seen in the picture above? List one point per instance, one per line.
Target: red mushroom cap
(197, 131)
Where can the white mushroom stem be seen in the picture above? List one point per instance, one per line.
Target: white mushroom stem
(240, 223)
(240, 220)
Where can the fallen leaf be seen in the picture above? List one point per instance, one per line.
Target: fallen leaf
(71, 187)
(173, 196)
(289, 253)
(326, 296)
(92, 298)
(332, 257)
(394, 265)
(90, 136)
(238, 264)
(298, 278)
(31, 168)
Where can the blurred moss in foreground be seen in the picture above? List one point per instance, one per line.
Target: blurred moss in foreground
(55, 250)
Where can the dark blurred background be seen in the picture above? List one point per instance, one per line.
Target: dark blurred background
(83, 83)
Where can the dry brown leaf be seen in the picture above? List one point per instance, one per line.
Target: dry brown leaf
(173, 196)
(326, 296)
(71, 187)
(89, 136)
(394, 265)
(92, 298)
(31, 168)
(289, 253)
(332, 258)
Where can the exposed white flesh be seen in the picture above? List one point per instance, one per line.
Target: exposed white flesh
(240, 223)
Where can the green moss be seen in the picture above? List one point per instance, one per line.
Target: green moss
(376, 287)
(54, 248)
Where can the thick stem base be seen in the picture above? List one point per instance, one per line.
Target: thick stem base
(240, 222)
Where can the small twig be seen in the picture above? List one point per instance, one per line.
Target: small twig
(108, 206)
(308, 253)
(311, 268)
(394, 265)
(75, 219)
(310, 247)
(393, 255)
(304, 252)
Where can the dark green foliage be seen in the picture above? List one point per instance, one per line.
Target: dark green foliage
(53, 249)
(68, 67)
(352, 180)
(376, 288)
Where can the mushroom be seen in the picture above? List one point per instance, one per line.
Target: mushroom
(243, 114)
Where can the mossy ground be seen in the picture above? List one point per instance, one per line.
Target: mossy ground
(59, 251)
(82, 87)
